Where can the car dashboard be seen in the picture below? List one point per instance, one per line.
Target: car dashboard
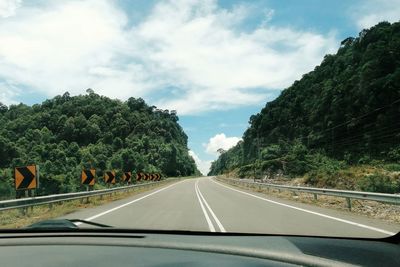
(116, 247)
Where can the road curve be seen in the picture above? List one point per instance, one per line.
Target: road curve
(203, 204)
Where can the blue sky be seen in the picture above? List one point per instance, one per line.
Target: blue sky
(215, 62)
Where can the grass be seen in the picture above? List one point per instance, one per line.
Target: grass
(17, 218)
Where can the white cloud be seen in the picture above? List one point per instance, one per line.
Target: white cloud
(192, 45)
(9, 7)
(202, 165)
(6, 95)
(220, 141)
(200, 48)
(69, 46)
(371, 12)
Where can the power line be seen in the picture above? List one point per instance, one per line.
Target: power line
(345, 139)
(375, 132)
(376, 138)
(362, 116)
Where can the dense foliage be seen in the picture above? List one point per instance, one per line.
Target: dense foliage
(347, 110)
(65, 134)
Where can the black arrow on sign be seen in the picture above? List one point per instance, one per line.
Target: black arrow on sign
(110, 177)
(28, 177)
(89, 177)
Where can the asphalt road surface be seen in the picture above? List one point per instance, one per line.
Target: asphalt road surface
(203, 204)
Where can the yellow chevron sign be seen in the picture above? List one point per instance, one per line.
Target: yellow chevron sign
(126, 177)
(88, 177)
(109, 177)
(25, 177)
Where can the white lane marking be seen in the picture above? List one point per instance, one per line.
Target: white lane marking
(221, 227)
(210, 225)
(311, 212)
(130, 202)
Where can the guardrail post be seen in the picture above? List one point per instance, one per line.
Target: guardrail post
(348, 202)
(50, 206)
(315, 197)
(23, 211)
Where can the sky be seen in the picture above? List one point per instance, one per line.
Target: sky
(215, 62)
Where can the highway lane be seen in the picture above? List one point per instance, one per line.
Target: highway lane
(174, 207)
(203, 204)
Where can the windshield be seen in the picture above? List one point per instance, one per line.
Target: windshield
(272, 117)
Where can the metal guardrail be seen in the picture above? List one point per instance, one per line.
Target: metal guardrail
(347, 194)
(50, 199)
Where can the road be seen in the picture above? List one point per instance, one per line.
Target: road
(203, 204)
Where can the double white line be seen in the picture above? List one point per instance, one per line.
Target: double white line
(204, 206)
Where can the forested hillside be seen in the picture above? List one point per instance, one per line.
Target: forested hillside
(65, 134)
(345, 112)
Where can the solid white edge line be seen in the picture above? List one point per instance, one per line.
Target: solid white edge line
(130, 202)
(221, 227)
(311, 212)
(210, 225)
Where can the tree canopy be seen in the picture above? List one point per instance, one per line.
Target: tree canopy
(347, 108)
(65, 134)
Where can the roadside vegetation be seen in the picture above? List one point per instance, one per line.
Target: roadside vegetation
(337, 127)
(65, 134)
